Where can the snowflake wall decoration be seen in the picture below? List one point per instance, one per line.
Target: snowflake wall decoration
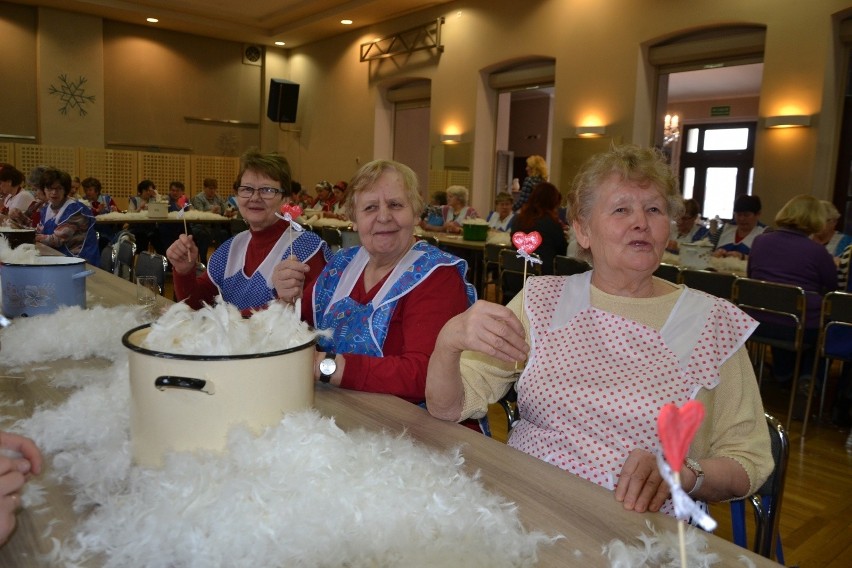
(72, 94)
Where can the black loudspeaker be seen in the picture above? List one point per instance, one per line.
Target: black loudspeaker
(283, 100)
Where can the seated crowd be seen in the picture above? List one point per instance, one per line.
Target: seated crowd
(593, 357)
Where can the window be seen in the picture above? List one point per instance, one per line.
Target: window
(716, 165)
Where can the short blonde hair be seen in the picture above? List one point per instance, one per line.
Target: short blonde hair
(644, 166)
(460, 192)
(538, 166)
(831, 212)
(370, 173)
(803, 213)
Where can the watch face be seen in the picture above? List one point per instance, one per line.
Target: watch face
(328, 366)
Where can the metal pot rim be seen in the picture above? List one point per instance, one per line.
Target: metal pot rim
(125, 340)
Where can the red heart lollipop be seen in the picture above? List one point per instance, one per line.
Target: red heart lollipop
(677, 427)
(526, 242)
(181, 201)
(294, 210)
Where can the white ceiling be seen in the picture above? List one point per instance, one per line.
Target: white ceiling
(298, 22)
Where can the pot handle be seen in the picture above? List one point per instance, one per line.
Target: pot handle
(82, 274)
(170, 382)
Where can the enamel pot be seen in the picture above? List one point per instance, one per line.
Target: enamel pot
(44, 286)
(189, 402)
(18, 236)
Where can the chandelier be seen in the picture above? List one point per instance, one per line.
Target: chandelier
(671, 130)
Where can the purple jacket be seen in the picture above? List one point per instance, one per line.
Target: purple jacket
(790, 257)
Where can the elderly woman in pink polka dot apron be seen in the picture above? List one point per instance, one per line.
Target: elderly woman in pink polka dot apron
(605, 350)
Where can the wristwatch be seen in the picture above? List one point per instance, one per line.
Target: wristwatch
(695, 468)
(327, 367)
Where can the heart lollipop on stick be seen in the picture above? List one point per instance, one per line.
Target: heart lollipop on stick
(290, 213)
(676, 428)
(526, 245)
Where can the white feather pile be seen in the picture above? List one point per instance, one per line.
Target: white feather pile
(69, 333)
(221, 330)
(305, 493)
(661, 549)
(23, 254)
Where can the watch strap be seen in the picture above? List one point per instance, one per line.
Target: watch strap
(695, 468)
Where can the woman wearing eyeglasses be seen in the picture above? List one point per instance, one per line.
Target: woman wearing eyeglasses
(245, 269)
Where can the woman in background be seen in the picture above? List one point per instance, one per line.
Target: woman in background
(16, 200)
(541, 213)
(834, 241)
(787, 255)
(736, 239)
(536, 173)
(66, 224)
(501, 218)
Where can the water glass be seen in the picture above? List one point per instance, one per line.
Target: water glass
(147, 291)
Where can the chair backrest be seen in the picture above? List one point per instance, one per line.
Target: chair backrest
(719, 284)
(758, 297)
(569, 265)
(431, 239)
(837, 326)
(668, 272)
(491, 253)
(767, 499)
(772, 490)
(152, 264)
(108, 254)
(512, 268)
(125, 251)
(333, 237)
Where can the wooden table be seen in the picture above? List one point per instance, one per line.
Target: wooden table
(471, 251)
(548, 499)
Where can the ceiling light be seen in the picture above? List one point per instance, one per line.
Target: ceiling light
(280, 43)
(152, 20)
(346, 22)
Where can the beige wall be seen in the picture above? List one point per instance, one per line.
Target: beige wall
(153, 80)
(600, 76)
(18, 112)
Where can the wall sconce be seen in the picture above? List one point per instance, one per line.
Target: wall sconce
(590, 131)
(450, 138)
(789, 121)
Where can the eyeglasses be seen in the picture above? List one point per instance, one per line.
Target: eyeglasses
(265, 192)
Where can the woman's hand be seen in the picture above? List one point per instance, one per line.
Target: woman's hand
(288, 279)
(20, 460)
(641, 487)
(488, 328)
(183, 254)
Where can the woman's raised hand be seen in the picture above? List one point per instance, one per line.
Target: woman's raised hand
(488, 328)
(183, 254)
(288, 279)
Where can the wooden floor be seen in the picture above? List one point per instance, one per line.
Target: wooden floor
(816, 511)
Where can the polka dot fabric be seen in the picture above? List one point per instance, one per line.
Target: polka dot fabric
(593, 389)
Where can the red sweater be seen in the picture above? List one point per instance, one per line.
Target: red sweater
(197, 291)
(412, 332)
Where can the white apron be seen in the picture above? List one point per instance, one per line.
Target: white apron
(595, 381)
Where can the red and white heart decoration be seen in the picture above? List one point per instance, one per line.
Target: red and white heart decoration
(526, 243)
(290, 212)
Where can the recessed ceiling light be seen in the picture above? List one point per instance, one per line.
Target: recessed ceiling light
(280, 43)
(346, 22)
(153, 20)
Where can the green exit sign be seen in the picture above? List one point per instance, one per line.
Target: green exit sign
(720, 111)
